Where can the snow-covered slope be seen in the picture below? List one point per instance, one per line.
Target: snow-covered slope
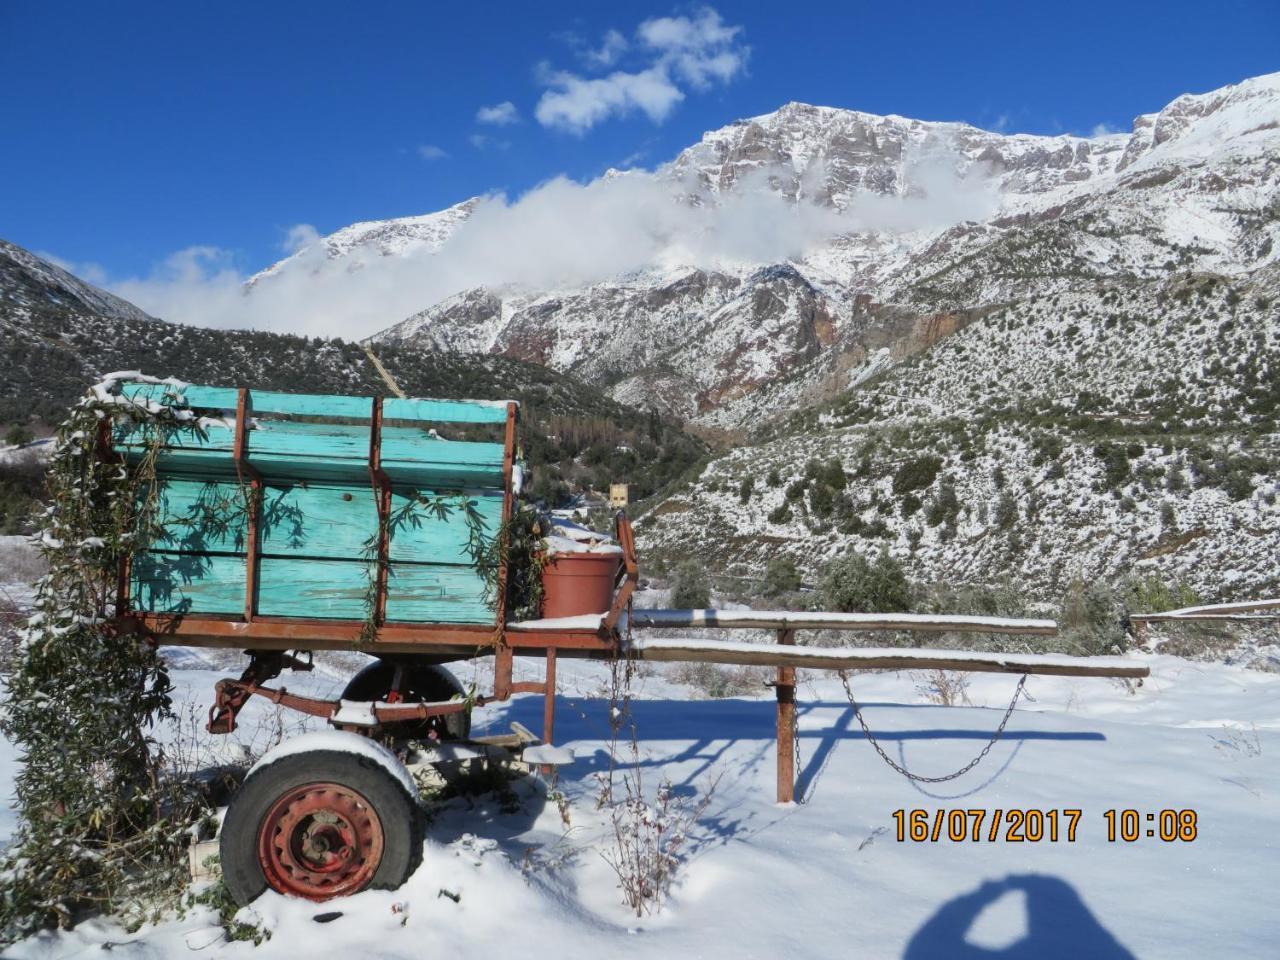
(28, 281)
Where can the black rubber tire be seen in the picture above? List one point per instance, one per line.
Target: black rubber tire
(426, 682)
(401, 818)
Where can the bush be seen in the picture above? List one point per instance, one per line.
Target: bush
(1152, 594)
(856, 584)
(1091, 618)
(781, 577)
(916, 474)
(1006, 512)
(18, 435)
(780, 513)
(821, 500)
(746, 489)
(691, 590)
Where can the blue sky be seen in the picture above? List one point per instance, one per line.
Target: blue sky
(129, 131)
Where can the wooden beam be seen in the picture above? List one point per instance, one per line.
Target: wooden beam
(785, 691)
(880, 658)
(804, 620)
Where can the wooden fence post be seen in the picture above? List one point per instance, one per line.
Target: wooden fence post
(549, 698)
(785, 690)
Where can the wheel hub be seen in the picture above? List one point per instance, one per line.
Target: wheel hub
(320, 840)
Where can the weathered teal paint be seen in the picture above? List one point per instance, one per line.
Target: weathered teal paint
(318, 513)
(320, 405)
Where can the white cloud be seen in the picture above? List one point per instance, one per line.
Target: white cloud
(429, 151)
(611, 48)
(1104, 130)
(696, 52)
(499, 115)
(482, 141)
(560, 234)
(299, 237)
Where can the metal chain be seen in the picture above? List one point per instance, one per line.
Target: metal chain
(857, 712)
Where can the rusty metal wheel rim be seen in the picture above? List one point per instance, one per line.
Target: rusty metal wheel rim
(320, 840)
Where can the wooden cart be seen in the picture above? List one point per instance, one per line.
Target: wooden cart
(295, 523)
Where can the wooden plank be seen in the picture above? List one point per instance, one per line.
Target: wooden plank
(336, 521)
(880, 658)
(175, 583)
(276, 633)
(336, 589)
(327, 589)
(264, 401)
(329, 405)
(1211, 612)
(201, 516)
(445, 411)
(784, 619)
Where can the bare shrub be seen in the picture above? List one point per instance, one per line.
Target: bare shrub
(946, 688)
(649, 836)
(716, 682)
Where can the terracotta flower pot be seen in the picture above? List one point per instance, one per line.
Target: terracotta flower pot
(574, 584)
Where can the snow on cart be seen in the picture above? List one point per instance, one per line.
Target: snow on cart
(288, 523)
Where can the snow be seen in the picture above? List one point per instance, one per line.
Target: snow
(340, 741)
(569, 537)
(805, 618)
(585, 621)
(827, 877)
(544, 753)
(1029, 660)
(1251, 606)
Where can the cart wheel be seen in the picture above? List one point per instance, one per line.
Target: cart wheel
(319, 824)
(420, 682)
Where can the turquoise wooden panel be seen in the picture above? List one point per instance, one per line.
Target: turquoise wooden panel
(336, 590)
(419, 536)
(201, 516)
(320, 589)
(327, 405)
(260, 401)
(317, 520)
(336, 521)
(417, 446)
(214, 436)
(445, 411)
(187, 583)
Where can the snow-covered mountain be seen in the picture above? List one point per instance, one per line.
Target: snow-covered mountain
(935, 221)
(388, 238)
(29, 281)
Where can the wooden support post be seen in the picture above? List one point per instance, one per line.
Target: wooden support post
(785, 690)
(240, 454)
(549, 699)
(382, 497)
(502, 661)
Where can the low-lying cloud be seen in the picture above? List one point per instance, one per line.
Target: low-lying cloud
(559, 235)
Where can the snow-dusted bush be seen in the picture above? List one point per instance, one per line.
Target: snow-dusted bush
(100, 827)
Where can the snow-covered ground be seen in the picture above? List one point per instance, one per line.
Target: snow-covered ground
(828, 877)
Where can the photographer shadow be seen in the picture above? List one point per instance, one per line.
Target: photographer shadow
(1058, 925)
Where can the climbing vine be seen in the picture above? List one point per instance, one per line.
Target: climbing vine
(99, 829)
